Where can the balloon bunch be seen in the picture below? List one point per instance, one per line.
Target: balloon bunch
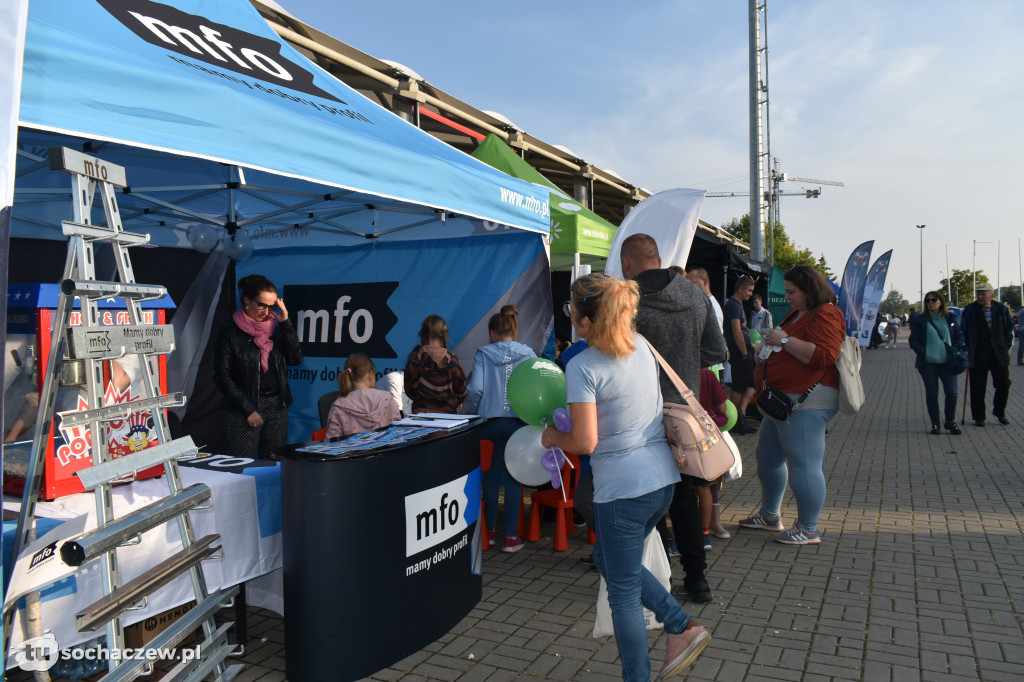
(536, 393)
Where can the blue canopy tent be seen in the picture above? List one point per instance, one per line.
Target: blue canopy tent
(220, 123)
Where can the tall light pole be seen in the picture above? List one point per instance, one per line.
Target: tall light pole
(921, 227)
(974, 258)
(949, 279)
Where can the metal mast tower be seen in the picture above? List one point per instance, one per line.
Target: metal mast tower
(759, 155)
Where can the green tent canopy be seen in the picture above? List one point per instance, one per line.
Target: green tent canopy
(574, 228)
(777, 304)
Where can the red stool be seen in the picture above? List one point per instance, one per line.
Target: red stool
(563, 508)
(486, 452)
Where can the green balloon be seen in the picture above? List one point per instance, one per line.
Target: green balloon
(536, 388)
(730, 416)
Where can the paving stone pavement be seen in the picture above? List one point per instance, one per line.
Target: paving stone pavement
(919, 576)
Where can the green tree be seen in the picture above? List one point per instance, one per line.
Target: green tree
(1011, 296)
(894, 304)
(961, 286)
(787, 253)
(825, 269)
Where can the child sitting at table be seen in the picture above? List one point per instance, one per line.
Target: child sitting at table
(359, 406)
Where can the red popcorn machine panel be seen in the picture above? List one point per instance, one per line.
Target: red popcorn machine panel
(30, 319)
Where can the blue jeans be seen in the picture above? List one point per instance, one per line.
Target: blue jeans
(498, 431)
(933, 375)
(622, 526)
(793, 451)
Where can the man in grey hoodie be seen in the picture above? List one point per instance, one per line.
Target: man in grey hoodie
(678, 320)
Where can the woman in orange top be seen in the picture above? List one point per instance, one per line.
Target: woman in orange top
(792, 450)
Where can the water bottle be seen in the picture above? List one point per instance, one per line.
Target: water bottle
(766, 350)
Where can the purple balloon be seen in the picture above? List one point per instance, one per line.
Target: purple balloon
(562, 420)
(552, 460)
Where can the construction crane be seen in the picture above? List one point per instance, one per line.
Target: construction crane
(770, 196)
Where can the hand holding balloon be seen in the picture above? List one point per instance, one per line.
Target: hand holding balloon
(554, 458)
(730, 416)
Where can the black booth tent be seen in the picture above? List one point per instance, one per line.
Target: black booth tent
(725, 265)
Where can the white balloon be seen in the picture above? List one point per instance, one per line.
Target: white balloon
(202, 237)
(238, 248)
(523, 454)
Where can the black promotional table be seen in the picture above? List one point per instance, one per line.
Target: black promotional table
(381, 551)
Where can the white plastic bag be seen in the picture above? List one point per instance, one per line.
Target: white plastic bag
(656, 561)
(736, 472)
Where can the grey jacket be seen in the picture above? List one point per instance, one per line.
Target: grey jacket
(678, 320)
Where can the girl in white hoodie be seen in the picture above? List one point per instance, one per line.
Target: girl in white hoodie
(359, 406)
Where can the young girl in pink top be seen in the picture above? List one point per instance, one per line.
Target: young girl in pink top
(359, 406)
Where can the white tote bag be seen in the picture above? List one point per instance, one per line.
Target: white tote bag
(851, 388)
(736, 472)
(656, 561)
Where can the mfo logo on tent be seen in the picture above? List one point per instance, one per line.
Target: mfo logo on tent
(336, 320)
(217, 44)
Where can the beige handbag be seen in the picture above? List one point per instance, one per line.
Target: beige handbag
(697, 444)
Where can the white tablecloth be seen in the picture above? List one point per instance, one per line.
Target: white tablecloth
(246, 513)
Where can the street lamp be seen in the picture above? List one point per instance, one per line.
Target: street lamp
(921, 227)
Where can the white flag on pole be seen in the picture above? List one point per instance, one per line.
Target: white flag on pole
(670, 217)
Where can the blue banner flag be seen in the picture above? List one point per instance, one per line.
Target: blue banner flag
(874, 287)
(851, 292)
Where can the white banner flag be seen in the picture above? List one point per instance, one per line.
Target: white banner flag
(13, 16)
(874, 288)
(670, 217)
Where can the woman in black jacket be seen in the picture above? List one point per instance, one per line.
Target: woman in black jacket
(930, 333)
(252, 351)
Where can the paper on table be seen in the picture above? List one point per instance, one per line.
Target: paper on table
(437, 421)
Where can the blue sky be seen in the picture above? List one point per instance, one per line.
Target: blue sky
(918, 107)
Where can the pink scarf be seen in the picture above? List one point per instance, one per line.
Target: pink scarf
(260, 333)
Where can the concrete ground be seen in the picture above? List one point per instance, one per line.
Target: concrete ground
(919, 576)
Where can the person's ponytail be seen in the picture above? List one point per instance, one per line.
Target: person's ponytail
(505, 324)
(357, 366)
(611, 304)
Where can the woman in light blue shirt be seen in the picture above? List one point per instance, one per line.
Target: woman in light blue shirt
(615, 403)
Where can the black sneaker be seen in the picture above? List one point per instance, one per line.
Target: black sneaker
(743, 427)
(697, 589)
(1003, 420)
(953, 429)
(979, 422)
